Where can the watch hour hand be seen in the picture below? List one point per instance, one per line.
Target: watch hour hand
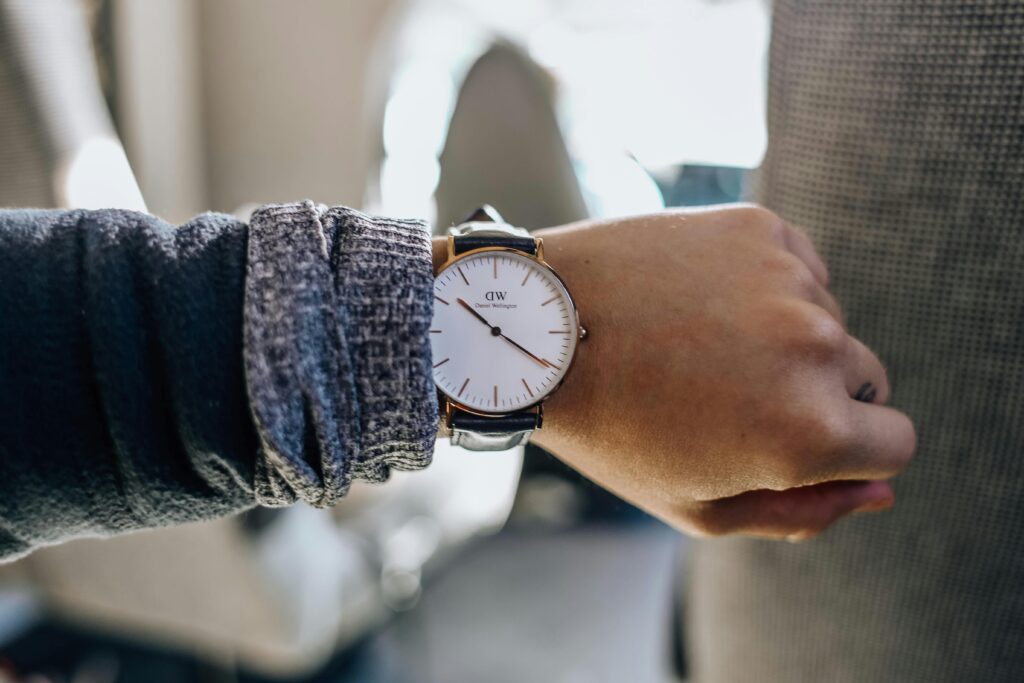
(475, 314)
(496, 331)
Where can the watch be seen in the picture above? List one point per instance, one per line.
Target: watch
(503, 336)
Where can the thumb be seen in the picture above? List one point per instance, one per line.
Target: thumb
(794, 514)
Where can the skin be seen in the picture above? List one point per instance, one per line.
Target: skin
(715, 387)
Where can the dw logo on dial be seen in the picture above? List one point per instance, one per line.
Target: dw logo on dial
(495, 296)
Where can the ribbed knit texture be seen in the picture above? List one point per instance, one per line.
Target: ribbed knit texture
(337, 314)
(897, 140)
(129, 400)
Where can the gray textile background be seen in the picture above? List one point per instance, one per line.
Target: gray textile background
(897, 140)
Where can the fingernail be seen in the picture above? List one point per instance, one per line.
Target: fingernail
(876, 505)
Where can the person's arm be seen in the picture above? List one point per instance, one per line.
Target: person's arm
(717, 385)
(153, 375)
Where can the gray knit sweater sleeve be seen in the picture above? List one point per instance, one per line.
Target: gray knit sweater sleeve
(337, 315)
(153, 375)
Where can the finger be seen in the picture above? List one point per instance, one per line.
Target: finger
(881, 443)
(793, 514)
(822, 297)
(801, 246)
(866, 379)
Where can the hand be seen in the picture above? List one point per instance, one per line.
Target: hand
(716, 387)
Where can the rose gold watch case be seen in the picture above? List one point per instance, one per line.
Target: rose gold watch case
(451, 403)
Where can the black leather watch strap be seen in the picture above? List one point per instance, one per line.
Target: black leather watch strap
(497, 433)
(513, 422)
(464, 243)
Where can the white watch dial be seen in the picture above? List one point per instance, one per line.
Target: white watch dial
(504, 331)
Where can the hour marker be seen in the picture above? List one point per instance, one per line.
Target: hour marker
(549, 331)
(442, 300)
(495, 268)
(550, 300)
(527, 387)
(437, 365)
(459, 268)
(435, 332)
(463, 387)
(495, 395)
(528, 274)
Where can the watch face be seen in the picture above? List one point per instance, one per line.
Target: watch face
(504, 331)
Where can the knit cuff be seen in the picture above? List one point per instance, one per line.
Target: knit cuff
(337, 355)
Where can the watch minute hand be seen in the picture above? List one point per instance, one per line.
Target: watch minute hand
(497, 332)
(543, 362)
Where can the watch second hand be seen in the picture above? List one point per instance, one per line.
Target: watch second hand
(479, 317)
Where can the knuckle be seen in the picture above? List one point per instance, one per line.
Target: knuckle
(834, 309)
(829, 433)
(757, 218)
(815, 333)
(816, 437)
(792, 272)
(768, 222)
(761, 215)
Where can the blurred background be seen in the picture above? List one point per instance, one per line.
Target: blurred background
(497, 567)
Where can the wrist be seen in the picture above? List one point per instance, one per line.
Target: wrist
(566, 408)
(559, 255)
